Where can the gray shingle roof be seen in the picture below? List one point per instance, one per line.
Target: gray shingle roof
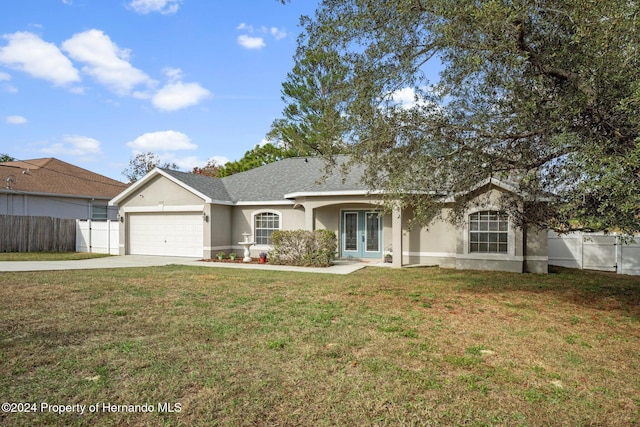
(273, 181)
(210, 187)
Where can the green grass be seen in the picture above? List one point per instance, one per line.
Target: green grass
(47, 256)
(377, 347)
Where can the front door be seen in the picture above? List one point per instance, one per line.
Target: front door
(361, 234)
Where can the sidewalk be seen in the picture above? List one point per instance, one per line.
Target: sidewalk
(339, 267)
(129, 261)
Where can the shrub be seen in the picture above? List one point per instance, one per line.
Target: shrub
(303, 248)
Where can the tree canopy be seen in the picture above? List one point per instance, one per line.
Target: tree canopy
(6, 158)
(543, 94)
(258, 156)
(210, 169)
(143, 163)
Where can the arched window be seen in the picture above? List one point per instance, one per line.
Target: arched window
(488, 232)
(264, 224)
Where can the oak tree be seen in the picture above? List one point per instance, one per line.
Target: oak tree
(543, 94)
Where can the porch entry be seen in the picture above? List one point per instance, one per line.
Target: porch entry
(361, 234)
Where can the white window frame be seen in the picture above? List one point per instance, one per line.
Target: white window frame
(507, 232)
(255, 215)
(100, 217)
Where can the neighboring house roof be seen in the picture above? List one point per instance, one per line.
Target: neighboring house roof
(50, 176)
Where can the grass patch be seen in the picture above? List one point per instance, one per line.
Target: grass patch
(377, 347)
(48, 256)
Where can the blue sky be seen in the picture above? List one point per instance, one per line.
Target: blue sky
(93, 82)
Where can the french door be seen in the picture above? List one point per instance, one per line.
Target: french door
(361, 234)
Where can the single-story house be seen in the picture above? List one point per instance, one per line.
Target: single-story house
(53, 188)
(183, 214)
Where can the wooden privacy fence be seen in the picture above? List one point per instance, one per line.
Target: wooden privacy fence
(37, 234)
(594, 251)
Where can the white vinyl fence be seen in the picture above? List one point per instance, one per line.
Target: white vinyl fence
(101, 237)
(594, 251)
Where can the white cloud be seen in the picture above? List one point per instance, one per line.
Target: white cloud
(221, 160)
(15, 120)
(4, 77)
(175, 96)
(165, 7)
(249, 42)
(81, 147)
(106, 62)
(278, 33)
(257, 42)
(244, 26)
(67, 2)
(10, 89)
(29, 53)
(173, 74)
(184, 163)
(406, 97)
(168, 140)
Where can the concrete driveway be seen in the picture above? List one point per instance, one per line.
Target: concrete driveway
(128, 261)
(87, 264)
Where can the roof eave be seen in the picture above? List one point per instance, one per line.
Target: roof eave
(148, 177)
(264, 203)
(331, 193)
(44, 194)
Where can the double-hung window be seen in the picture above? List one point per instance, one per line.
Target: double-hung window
(488, 232)
(265, 224)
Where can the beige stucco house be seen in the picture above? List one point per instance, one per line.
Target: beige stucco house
(182, 214)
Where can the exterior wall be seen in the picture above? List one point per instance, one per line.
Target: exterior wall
(218, 230)
(328, 214)
(431, 245)
(526, 250)
(157, 196)
(52, 206)
(441, 243)
(447, 245)
(242, 221)
(536, 253)
(511, 261)
(161, 191)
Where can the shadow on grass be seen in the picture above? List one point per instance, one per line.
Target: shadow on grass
(594, 289)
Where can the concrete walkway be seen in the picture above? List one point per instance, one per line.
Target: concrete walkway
(128, 261)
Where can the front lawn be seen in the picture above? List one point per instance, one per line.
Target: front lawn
(47, 256)
(204, 346)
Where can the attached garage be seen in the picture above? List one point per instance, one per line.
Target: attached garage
(170, 234)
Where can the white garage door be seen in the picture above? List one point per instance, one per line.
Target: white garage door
(178, 234)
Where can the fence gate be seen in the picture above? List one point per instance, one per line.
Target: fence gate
(599, 252)
(594, 251)
(100, 237)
